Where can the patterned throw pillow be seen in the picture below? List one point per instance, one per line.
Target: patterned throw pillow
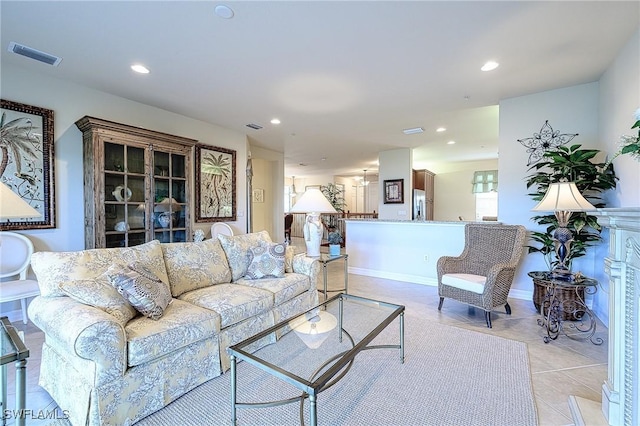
(266, 261)
(145, 291)
(100, 294)
(237, 247)
(288, 259)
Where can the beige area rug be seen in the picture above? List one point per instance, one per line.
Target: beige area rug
(450, 376)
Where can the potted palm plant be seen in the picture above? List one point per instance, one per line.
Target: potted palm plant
(568, 164)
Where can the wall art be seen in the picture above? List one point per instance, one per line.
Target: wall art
(215, 184)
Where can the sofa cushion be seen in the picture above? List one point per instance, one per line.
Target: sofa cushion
(236, 248)
(53, 268)
(100, 294)
(146, 292)
(233, 302)
(284, 289)
(191, 266)
(181, 325)
(266, 261)
(469, 282)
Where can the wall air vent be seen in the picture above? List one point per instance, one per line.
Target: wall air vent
(254, 126)
(32, 53)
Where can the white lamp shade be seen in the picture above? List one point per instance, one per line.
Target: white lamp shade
(563, 196)
(313, 200)
(14, 207)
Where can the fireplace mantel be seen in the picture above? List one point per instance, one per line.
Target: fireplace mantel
(621, 391)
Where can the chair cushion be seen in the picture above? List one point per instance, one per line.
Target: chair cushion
(237, 248)
(181, 325)
(469, 282)
(284, 289)
(140, 287)
(266, 261)
(234, 303)
(195, 265)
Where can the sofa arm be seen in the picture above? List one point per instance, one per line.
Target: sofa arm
(307, 266)
(84, 332)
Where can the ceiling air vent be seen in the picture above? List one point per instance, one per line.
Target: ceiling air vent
(254, 126)
(32, 53)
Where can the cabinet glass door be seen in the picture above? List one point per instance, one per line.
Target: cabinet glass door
(170, 198)
(124, 184)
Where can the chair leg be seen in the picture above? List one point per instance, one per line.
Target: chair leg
(23, 305)
(440, 304)
(507, 308)
(487, 317)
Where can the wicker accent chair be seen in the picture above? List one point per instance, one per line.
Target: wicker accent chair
(482, 275)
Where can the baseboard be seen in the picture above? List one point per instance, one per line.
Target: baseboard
(415, 279)
(586, 412)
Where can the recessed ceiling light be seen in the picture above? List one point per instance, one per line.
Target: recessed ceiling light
(440, 129)
(413, 131)
(451, 143)
(223, 11)
(140, 69)
(275, 121)
(490, 66)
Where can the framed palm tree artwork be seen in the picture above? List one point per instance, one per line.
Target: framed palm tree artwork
(215, 184)
(26, 161)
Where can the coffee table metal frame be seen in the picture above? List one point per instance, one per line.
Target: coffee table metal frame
(13, 350)
(325, 259)
(331, 371)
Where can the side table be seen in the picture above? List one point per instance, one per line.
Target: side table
(554, 309)
(325, 259)
(13, 350)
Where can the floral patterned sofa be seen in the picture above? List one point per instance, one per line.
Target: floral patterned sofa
(128, 330)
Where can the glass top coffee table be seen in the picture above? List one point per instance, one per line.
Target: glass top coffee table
(318, 349)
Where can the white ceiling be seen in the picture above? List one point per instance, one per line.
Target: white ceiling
(343, 77)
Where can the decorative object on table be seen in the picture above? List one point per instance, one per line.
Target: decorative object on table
(563, 198)
(546, 140)
(314, 327)
(165, 212)
(335, 240)
(121, 226)
(215, 184)
(198, 235)
(394, 191)
(481, 276)
(569, 164)
(28, 166)
(313, 202)
(628, 144)
(121, 193)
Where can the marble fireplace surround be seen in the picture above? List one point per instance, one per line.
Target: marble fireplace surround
(621, 390)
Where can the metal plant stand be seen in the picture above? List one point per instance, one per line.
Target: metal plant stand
(555, 309)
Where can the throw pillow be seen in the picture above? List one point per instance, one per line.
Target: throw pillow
(99, 293)
(145, 291)
(237, 247)
(288, 259)
(266, 261)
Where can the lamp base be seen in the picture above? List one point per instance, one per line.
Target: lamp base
(312, 234)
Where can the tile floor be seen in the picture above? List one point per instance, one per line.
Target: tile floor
(561, 368)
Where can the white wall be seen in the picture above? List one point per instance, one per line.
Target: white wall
(268, 174)
(619, 99)
(71, 102)
(395, 164)
(569, 110)
(453, 196)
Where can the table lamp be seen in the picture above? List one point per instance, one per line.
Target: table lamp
(313, 202)
(562, 198)
(12, 206)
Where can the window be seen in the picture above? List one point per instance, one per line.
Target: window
(485, 181)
